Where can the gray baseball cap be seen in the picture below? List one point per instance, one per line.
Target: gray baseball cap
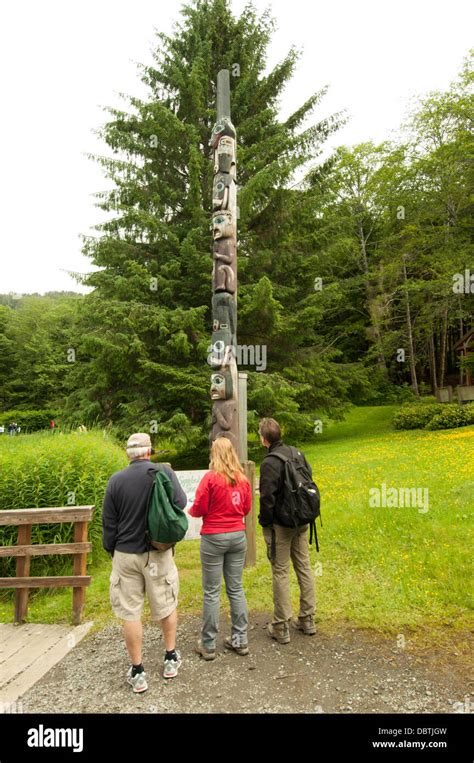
(139, 440)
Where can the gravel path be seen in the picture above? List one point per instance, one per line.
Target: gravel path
(350, 672)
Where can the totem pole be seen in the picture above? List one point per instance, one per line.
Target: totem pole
(224, 380)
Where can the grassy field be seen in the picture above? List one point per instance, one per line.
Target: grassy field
(389, 568)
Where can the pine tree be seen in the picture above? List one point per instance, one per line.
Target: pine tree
(145, 329)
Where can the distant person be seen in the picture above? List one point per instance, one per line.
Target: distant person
(284, 543)
(136, 567)
(223, 498)
(52, 425)
(11, 429)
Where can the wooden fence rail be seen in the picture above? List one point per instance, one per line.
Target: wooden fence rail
(24, 550)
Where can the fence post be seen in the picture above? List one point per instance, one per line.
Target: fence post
(80, 568)
(22, 570)
(251, 518)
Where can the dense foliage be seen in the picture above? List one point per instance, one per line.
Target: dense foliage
(55, 469)
(436, 416)
(354, 272)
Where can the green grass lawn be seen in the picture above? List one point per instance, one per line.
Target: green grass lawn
(386, 568)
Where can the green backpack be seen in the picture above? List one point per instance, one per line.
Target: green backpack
(166, 523)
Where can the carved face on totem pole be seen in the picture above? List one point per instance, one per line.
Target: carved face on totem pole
(224, 156)
(222, 349)
(224, 313)
(224, 192)
(221, 385)
(223, 127)
(223, 225)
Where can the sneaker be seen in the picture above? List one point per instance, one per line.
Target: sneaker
(137, 682)
(170, 669)
(206, 654)
(305, 624)
(243, 649)
(280, 632)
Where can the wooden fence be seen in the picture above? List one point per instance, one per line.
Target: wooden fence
(24, 550)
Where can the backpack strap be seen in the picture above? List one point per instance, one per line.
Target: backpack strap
(295, 453)
(279, 455)
(313, 533)
(152, 473)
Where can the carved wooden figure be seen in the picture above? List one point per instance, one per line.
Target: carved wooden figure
(224, 313)
(224, 277)
(223, 127)
(224, 382)
(224, 192)
(221, 385)
(225, 420)
(223, 224)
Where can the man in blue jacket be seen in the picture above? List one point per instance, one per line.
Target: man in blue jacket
(135, 567)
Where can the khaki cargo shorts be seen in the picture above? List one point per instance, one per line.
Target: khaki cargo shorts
(131, 576)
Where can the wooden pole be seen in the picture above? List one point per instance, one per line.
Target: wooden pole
(223, 94)
(251, 518)
(223, 356)
(243, 416)
(22, 570)
(79, 568)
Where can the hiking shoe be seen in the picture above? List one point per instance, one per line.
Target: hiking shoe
(243, 649)
(305, 624)
(137, 682)
(170, 669)
(280, 632)
(206, 654)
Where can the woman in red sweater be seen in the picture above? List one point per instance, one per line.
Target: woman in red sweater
(223, 498)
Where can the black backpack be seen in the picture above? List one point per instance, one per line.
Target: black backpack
(301, 500)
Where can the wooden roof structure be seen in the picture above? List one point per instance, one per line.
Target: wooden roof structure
(463, 343)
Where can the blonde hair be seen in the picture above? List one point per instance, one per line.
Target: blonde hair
(225, 461)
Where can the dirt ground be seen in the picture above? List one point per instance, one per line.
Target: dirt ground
(351, 671)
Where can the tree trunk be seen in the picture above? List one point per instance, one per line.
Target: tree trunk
(370, 300)
(414, 380)
(461, 334)
(434, 383)
(442, 354)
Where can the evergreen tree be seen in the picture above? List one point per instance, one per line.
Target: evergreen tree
(145, 329)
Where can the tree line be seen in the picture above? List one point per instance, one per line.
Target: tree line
(356, 271)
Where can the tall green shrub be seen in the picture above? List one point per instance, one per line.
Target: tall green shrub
(55, 469)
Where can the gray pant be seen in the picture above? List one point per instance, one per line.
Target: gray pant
(223, 553)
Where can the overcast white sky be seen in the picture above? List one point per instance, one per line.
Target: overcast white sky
(60, 62)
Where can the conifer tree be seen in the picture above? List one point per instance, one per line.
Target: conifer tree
(145, 327)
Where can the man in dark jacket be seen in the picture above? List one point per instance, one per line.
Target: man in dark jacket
(136, 568)
(284, 543)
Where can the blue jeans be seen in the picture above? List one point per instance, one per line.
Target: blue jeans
(223, 553)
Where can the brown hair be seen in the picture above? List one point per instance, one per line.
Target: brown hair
(270, 430)
(225, 460)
